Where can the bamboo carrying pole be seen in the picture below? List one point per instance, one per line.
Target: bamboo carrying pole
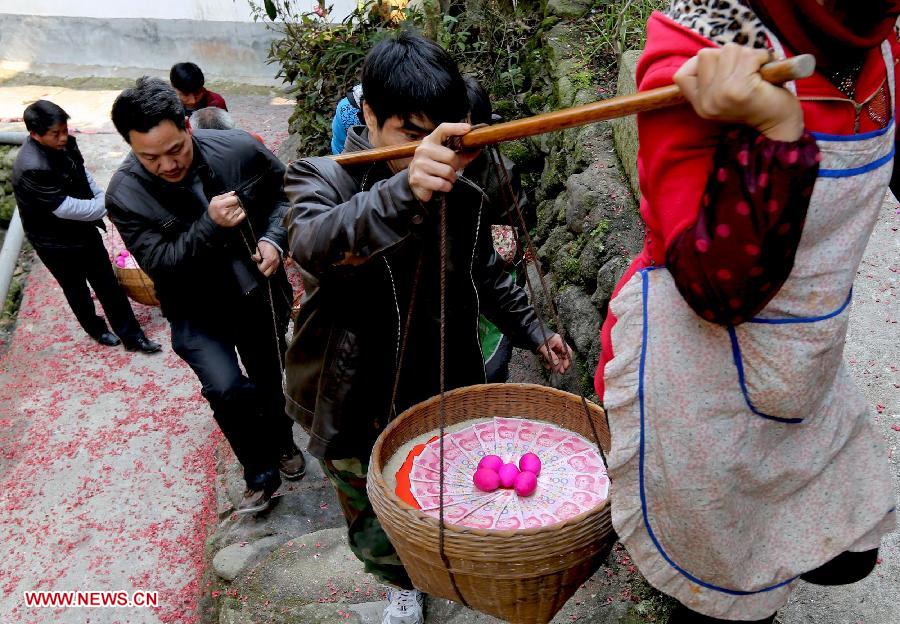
(777, 72)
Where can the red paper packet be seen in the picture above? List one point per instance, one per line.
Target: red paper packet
(404, 487)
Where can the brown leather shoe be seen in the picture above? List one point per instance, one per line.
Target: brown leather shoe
(292, 465)
(254, 501)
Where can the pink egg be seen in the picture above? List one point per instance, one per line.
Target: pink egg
(120, 263)
(529, 462)
(508, 474)
(486, 480)
(491, 462)
(125, 254)
(525, 483)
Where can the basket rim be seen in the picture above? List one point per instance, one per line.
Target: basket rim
(375, 469)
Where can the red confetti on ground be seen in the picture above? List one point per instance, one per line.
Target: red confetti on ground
(895, 427)
(108, 465)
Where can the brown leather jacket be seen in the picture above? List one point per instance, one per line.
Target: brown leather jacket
(357, 234)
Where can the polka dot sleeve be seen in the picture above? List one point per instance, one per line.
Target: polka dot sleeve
(732, 260)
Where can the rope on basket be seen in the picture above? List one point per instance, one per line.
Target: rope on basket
(250, 249)
(442, 406)
(530, 254)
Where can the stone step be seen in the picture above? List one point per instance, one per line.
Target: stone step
(315, 577)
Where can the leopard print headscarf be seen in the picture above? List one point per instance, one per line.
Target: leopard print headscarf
(720, 21)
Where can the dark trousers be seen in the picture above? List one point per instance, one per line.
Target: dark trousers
(248, 409)
(846, 568)
(74, 268)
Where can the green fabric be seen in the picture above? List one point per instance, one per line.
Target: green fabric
(367, 539)
(489, 334)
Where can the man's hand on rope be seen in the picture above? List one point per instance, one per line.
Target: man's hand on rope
(226, 210)
(433, 168)
(556, 354)
(267, 257)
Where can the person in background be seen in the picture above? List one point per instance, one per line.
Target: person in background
(62, 209)
(347, 114)
(202, 212)
(188, 80)
(212, 118)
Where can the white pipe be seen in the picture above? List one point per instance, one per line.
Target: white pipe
(13, 138)
(9, 254)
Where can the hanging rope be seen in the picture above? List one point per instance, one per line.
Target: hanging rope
(509, 197)
(442, 408)
(270, 300)
(404, 339)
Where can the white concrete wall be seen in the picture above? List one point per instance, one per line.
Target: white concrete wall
(202, 10)
(134, 37)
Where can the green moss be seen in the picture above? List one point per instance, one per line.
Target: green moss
(7, 205)
(517, 151)
(535, 101)
(600, 229)
(583, 79)
(652, 606)
(570, 268)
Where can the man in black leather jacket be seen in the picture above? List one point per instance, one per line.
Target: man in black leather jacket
(202, 213)
(359, 234)
(62, 208)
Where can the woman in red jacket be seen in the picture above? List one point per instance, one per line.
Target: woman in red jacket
(743, 456)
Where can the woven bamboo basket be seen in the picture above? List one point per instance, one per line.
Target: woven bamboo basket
(523, 577)
(137, 285)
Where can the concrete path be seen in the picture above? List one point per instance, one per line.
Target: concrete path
(108, 459)
(873, 355)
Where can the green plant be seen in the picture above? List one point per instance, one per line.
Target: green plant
(614, 27)
(600, 229)
(493, 40)
(321, 60)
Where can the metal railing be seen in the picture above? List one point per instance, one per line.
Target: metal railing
(15, 235)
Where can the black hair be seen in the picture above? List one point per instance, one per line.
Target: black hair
(42, 115)
(408, 75)
(479, 102)
(187, 77)
(146, 105)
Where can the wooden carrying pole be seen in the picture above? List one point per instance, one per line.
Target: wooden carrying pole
(777, 72)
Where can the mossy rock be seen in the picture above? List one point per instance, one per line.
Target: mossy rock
(522, 152)
(7, 206)
(570, 9)
(554, 243)
(547, 218)
(566, 262)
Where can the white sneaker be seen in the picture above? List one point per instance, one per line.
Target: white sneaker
(404, 607)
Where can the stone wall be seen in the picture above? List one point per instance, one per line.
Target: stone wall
(588, 228)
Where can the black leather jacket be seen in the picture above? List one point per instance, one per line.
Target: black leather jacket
(42, 178)
(197, 267)
(358, 234)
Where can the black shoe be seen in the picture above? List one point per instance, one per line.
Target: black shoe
(143, 344)
(107, 339)
(292, 465)
(254, 501)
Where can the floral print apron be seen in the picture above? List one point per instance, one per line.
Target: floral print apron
(745, 456)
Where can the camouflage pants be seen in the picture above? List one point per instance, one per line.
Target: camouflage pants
(367, 539)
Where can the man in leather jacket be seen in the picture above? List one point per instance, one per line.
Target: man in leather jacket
(62, 209)
(202, 212)
(359, 234)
